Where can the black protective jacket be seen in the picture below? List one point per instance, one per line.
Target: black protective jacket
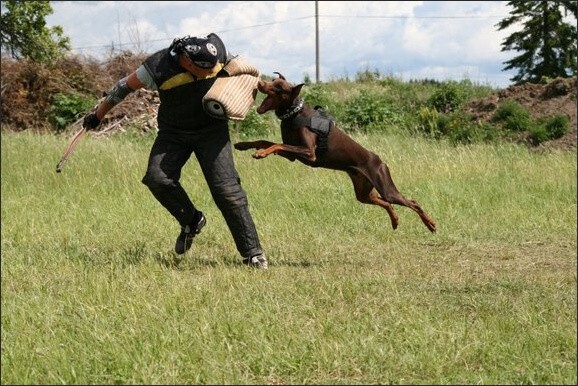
(180, 92)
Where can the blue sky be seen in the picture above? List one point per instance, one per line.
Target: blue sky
(442, 40)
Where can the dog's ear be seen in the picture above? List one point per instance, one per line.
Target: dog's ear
(296, 90)
(280, 75)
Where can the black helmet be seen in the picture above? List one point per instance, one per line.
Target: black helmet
(202, 52)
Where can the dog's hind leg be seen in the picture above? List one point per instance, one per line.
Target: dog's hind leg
(385, 186)
(366, 194)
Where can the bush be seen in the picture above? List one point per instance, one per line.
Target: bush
(556, 126)
(427, 118)
(367, 76)
(457, 127)
(447, 98)
(318, 95)
(464, 131)
(254, 124)
(67, 108)
(549, 128)
(369, 111)
(512, 116)
(538, 134)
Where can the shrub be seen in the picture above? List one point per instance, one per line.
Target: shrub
(367, 76)
(67, 108)
(556, 126)
(464, 131)
(427, 118)
(512, 116)
(457, 127)
(369, 111)
(549, 128)
(254, 124)
(317, 95)
(538, 134)
(448, 97)
(433, 124)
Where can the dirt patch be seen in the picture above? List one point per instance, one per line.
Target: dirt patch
(557, 97)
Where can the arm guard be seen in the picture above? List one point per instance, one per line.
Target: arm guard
(145, 78)
(118, 92)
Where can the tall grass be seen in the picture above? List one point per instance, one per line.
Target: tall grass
(93, 294)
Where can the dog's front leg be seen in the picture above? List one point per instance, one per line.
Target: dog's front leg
(265, 152)
(285, 150)
(253, 145)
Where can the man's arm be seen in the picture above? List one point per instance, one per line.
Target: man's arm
(116, 95)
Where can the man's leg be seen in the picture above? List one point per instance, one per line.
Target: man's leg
(167, 157)
(215, 157)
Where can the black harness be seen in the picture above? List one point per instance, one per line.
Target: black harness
(320, 122)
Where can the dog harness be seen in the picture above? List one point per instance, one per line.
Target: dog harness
(320, 122)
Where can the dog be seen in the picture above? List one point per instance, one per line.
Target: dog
(310, 136)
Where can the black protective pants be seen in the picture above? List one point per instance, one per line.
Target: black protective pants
(212, 147)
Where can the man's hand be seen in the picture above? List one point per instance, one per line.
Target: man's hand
(91, 122)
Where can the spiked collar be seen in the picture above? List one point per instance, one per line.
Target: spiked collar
(292, 111)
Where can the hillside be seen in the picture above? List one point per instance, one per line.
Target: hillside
(28, 91)
(556, 97)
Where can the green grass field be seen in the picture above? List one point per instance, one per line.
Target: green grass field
(92, 292)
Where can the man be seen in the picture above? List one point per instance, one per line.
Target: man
(182, 74)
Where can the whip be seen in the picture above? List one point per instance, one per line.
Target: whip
(75, 139)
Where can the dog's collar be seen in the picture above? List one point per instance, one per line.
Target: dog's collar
(292, 112)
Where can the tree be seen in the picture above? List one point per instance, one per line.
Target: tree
(25, 35)
(547, 43)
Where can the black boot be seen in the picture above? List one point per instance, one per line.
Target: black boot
(188, 233)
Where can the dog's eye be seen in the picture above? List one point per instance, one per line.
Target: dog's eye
(278, 90)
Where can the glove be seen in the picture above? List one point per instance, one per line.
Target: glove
(91, 122)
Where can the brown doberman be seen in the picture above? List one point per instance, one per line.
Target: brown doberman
(311, 136)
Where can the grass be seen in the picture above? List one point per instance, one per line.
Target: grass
(93, 294)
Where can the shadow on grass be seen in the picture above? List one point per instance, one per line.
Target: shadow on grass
(182, 262)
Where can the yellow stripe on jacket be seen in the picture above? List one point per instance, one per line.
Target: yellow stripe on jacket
(187, 77)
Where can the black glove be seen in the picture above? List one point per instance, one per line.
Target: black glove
(91, 122)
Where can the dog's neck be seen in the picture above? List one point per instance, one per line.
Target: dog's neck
(292, 111)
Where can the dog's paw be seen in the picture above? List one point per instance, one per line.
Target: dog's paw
(260, 154)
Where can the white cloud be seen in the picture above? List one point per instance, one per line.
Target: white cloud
(425, 39)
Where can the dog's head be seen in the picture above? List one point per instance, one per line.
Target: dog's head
(280, 94)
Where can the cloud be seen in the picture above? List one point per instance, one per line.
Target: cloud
(421, 39)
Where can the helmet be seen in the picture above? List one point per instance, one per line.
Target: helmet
(199, 49)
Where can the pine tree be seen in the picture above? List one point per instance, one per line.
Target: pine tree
(546, 42)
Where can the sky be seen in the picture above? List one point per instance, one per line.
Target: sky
(408, 40)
